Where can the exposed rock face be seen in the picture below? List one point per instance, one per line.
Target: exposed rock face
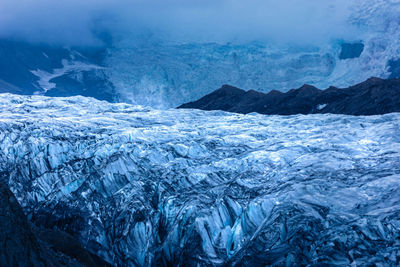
(372, 97)
(394, 68)
(145, 187)
(23, 244)
(18, 245)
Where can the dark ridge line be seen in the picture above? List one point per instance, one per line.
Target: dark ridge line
(374, 96)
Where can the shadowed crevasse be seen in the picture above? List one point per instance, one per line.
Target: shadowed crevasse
(24, 244)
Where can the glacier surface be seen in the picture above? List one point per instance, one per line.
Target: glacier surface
(141, 187)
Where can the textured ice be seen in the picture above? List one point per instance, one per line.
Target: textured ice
(145, 187)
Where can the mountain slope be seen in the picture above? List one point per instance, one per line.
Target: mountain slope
(372, 97)
(164, 73)
(152, 69)
(54, 71)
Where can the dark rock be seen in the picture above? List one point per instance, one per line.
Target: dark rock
(64, 243)
(93, 84)
(374, 96)
(351, 50)
(19, 247)
(23, 244)
(6, 87)
(394, 68)
(224, 98)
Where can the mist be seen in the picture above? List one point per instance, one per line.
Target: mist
(83, 23)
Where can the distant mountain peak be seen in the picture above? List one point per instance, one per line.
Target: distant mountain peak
(230, 89)
(360, 99)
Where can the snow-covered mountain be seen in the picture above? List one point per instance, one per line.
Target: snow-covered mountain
(163, 72)
(145, 187)
(41, 69)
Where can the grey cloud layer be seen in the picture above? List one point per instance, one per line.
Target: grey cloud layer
(76, 22)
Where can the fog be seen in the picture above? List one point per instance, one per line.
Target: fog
(73, 22)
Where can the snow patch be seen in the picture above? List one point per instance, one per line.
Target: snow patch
(321, 106)
(69, 67)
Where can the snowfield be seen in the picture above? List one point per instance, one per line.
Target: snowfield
(139, 186)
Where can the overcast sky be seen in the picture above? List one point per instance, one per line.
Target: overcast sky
(75, 22)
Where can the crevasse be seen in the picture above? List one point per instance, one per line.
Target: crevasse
(139, 186)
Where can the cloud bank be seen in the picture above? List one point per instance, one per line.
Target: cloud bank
(73, 22)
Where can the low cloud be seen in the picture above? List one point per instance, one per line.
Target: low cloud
(72, 22)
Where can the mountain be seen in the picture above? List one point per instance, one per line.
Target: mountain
(144, 187)
(28, 69)
(162, 73)
(372, 97)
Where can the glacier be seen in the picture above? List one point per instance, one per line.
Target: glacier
(146, 187)
(155, 68)
(163, 73)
